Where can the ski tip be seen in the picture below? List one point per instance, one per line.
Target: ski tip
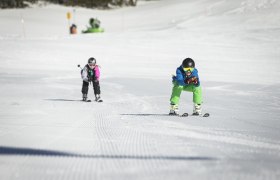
(206, 115)
(185, 115)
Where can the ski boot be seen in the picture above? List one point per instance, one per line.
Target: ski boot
(197, 110)
(98, 98)
(84, 97)
(174, 110)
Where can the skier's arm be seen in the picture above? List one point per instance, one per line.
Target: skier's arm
(85, 74)
(180, 78)
(97, 73)
(196, 77)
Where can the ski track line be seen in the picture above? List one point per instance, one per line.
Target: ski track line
(133, 141)
(25, 164)
(226, 136)
(124, 137)
(252, 142)
(229, 137)
(207, 138)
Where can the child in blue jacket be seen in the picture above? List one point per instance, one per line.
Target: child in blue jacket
(186, 79)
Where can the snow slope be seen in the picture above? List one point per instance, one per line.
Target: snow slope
(46, 132)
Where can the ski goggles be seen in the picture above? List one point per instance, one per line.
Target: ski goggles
(91, 65)
(188, 69)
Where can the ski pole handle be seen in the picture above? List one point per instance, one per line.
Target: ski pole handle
(79, 66)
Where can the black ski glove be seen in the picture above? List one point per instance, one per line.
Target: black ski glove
(192, 80)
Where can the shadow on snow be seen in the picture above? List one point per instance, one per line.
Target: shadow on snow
(61, 100)
(139, 114)
(4, 150)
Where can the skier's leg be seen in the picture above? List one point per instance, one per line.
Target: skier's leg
(175, 98)
(85, 90)
(96, 89)
(85, 87)
(197, 98)
(176, 93)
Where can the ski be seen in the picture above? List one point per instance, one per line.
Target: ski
(206, 115)
(202, 115)
(182, 115)
(90, 100)
(173, 114)
(186, 115)
(86, 100)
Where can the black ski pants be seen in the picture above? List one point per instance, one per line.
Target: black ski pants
(96, 87)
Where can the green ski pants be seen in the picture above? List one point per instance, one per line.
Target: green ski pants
(177, 89)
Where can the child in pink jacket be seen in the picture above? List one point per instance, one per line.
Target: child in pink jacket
(91, 74)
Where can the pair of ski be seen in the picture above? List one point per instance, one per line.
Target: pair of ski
(90, 100)
(187, 114)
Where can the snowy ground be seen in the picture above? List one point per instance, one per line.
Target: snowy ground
(46, 132)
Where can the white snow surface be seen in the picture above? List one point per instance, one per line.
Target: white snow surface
(46, 132)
